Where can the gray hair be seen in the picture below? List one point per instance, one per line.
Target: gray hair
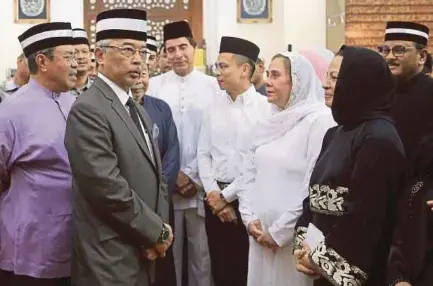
(31, 60)
(102, 44)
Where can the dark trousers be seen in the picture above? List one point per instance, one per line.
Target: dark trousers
(165, 274)
(228, 248)
(10, 279)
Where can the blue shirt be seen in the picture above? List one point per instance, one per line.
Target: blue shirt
(164, 129)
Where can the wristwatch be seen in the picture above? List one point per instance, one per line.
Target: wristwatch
(165, 234)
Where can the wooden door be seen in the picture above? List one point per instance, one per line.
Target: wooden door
(159, 13)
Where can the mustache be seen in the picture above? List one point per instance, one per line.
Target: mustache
(392, 62)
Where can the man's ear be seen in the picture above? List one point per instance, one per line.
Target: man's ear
(42, 62)
(423, 57)
(99, 55)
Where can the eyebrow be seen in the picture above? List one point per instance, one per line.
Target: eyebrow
(222, 62)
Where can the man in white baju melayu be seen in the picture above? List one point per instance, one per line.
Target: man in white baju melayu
(188, 93)
(225, 129)
(277, 169)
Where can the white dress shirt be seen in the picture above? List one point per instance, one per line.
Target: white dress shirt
(123, 97)
(224, 137)
(187, 97)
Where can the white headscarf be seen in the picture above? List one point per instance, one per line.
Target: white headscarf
(305, 100)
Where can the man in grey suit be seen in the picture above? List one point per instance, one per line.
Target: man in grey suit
(119, 197)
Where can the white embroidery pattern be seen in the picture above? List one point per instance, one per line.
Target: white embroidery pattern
(335, 268)
(298, 239)
(325, 200)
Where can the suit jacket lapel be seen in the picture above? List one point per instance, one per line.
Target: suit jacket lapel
(123, 114)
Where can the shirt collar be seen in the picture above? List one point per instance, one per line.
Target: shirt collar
(244, 98)
(79, 91)
(35, 84)
(10, 85)
(121, 94)
(183, 78)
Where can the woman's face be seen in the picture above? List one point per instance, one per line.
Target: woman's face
(279, 82)
(331, 78)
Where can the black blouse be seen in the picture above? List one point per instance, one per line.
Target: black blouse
(352, 197)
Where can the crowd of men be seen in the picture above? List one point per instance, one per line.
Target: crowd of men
(99, 164)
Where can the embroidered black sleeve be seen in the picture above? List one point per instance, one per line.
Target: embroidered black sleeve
(299, 237)
(336, 268)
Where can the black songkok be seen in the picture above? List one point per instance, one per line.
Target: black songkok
(80, 37)
(151, 43)
(45, 36)
(239, 46)
(407, 31)
(121, 24)
(177, 30)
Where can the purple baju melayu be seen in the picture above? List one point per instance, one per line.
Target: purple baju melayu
(35, 208)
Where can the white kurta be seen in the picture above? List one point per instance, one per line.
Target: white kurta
(226, 128)
(187, 97)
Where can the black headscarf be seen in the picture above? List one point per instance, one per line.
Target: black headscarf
(365, 87)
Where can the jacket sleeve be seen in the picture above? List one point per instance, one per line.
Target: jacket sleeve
(347, 254)
(95, 168)
(171, 157)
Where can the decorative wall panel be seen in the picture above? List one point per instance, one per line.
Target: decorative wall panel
(366, 19)
(159, 12)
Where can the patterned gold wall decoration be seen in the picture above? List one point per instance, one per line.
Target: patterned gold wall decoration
(160, 12)
(366, 19)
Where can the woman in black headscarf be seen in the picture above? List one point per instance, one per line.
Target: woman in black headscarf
(354, 185)
(411, 255)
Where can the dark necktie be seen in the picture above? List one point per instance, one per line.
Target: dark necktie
(133, 111)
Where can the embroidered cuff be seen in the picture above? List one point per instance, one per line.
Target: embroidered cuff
(299, 237)
(335, 268)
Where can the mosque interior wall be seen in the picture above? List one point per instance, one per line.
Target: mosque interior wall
(299, 23)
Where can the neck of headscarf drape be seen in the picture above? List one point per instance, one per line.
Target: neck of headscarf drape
(304, 101)
(365, 88)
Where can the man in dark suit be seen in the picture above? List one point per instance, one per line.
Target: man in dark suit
(120, 203)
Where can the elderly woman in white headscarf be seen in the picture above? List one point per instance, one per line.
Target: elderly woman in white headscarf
(278, 166)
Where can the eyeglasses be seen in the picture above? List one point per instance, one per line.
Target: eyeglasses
(129, 52)
(397, 51)
(219, 67)
(69, 57)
